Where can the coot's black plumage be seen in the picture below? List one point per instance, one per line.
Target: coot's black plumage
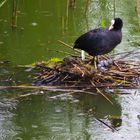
(101, 40)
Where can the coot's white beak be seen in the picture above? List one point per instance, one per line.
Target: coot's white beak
(112, 24)
(111, 27)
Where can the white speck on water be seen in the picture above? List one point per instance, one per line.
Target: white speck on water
(58, 109)
(34, 24)
(75, 101)
(34, 126)
(5, 32)
(1, 43)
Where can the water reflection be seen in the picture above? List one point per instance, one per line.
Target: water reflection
(7, 130)
(11, 75)
(69, 116)
(40, 117)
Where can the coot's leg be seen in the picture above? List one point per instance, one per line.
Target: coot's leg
(98, 59)
(83, 55)
(95, 60)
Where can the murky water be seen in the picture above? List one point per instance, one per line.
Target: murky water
(41, 24)
(69, 116)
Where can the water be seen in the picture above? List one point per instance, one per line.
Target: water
(68, 117)
(44, 115)
(41, 25)
(40, 117)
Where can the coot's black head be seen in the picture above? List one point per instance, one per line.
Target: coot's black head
(116, 24)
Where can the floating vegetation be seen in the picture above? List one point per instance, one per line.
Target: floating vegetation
(74, 73)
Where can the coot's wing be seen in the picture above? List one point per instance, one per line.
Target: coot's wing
(89, 41)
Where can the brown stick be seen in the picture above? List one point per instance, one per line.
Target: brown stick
(98, 90)
(67, 45)
(48, 88)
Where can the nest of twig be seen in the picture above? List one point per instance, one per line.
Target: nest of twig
(72, 72)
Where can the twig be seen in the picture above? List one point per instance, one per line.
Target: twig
(98, 90)
(48, 88)
(113, 129)
(60, 52)
(67, 45)
(117, 65)
(78, 68)
(124, 52)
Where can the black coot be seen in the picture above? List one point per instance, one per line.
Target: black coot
(101, 40)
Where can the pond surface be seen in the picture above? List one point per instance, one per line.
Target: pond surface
(46, 115)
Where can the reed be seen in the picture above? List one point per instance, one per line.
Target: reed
(86, 6)
(136, 6)
(114, 8)
(72, 3)
(14, 14)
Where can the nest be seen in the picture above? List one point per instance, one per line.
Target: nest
(74, 73)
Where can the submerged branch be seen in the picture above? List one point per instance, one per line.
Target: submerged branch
(99, 91)
(47, 88)
(112, 128)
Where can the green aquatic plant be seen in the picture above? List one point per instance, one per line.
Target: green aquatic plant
(49, 63)
(103, 23)
(55, 59)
